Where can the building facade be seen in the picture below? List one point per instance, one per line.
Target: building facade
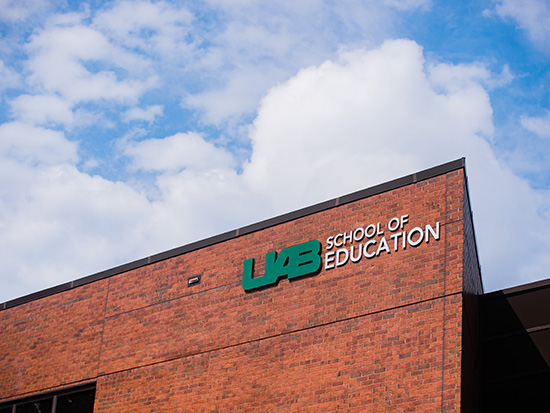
(367, 302)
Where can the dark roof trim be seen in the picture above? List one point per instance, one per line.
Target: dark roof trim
(355, 196)
(535, 285)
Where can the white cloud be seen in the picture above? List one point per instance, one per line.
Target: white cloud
(42, 110)
(17, 10)
(177, 152)
(258, 44)
(540, 126)
(343, 125)
(148, 114)
(158, 28)
(405, 5)
(121, 52)
(9, 78)
(57, 223)
(454, 77)
(346, 118)
(531, 15)
(67, 225)
(35, 146)
(81, 64)
(241, 94)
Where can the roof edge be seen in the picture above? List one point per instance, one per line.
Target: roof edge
(519, 289)
(290, 216)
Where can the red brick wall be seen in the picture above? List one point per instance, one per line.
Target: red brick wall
(52, 342)
(379, 362)
(380, 334)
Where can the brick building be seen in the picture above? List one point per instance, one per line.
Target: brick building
(368, 302)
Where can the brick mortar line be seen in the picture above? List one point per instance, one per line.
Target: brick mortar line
(223, 349)
(444, 293)
(103, 326)
(276, 336)
(172, 299)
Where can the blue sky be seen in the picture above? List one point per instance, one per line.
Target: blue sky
(128, 128)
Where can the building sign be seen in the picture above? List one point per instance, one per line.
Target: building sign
(366, 242)
(295, 261)
(373, 240)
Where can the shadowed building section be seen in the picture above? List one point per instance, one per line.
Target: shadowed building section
(515, 348)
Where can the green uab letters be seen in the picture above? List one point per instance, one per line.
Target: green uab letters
(295, 261)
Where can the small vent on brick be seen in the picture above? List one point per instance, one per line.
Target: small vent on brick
(193, 280)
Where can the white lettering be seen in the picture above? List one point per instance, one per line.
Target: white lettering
(339, 261)
(404, 220)
(395, 226)
(347, 237)
(366, 249)
(410, 236)
(395, 238)
(383, 246)
(358, 258)
(360, 237)
(341, 255)
(430, 230)
(329, 260)
(369, 234)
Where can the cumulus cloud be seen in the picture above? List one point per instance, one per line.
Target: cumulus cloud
(56, 222)
(540, 126)
(257, 44)
(409, 4)
(353, 116)
(42, 109)
(148, 114)
(122, 51)
(17, 10)
(31, 145)
(157, 28)
(533, 16)
(177, 152)
(458, 76)
(367, 117)
(81, 64)
(8, 77)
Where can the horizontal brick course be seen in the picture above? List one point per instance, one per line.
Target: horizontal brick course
(386, 361)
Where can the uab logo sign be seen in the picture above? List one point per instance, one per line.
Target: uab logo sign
(292, 262)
